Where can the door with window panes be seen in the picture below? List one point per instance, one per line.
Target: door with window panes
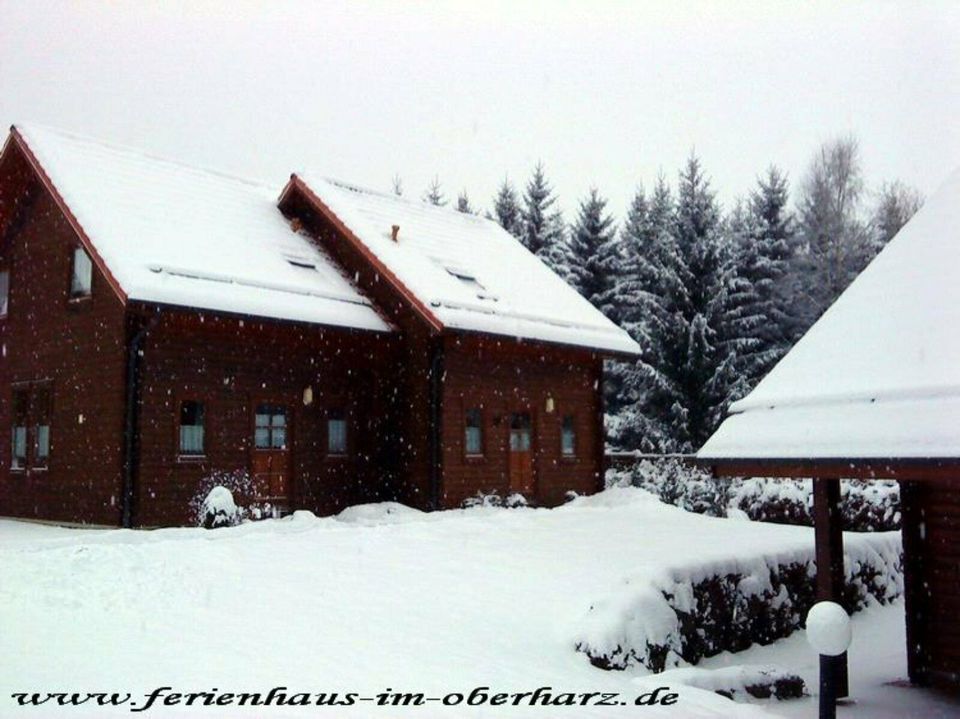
(522, 478)
(271, 454)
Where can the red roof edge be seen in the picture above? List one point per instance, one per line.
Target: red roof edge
(418, 306)
(45, 180)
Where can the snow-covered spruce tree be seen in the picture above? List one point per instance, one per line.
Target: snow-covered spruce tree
(506, 208)
(463, 203)
(707, 371)
(759, 321)
(434, 194)
(595, 257)
(544, 233)
(652, 294)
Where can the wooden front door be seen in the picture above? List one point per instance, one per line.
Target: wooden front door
(521, 454)
(271, 455)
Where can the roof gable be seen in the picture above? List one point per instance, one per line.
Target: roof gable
(878, 375)
(461, 271)
(171, 234)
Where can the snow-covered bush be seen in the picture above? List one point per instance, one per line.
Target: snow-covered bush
(695, 612)
(237, 484)
(493, 499)
(741, 682)
(872, 506)
(218, 509)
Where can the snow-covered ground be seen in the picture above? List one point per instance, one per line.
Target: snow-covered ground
(380, 598)
(878, 672)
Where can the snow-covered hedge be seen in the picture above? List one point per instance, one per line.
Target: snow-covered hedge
(741, 682)
(867, 506)
(699, 611)
(494, 499)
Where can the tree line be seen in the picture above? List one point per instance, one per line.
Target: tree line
(714, 297)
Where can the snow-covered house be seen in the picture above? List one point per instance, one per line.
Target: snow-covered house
(873, 391)
(165, 328)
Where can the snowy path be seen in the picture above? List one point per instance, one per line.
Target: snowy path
(433, 603)
(878, 672)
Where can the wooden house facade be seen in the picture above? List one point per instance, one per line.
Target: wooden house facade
(165, 328)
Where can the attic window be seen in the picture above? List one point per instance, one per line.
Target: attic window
(468, 279)
(81, 274)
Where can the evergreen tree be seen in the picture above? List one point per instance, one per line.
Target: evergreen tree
(760, 321)
(506, 207)
(652, 292)
(595, 258)
(544, 233)
(705, 362)
(463, 203)
(434, 194)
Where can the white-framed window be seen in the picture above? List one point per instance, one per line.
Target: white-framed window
(18, 431)
(191, 428)
(81, 275)
(42, 410)
(336, 432)
(473, 431)
(270, 431)
(4, 292)
(568, 436)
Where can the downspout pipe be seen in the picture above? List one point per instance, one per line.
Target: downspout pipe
(436, 408)
(130, 444)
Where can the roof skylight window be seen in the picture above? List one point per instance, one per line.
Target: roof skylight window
(466, 278)
(302, 262)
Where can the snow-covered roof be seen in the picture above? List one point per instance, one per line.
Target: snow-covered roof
(467, 271)
(179, 235)
(878, 376)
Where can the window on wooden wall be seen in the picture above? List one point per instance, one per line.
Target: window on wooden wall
(568, 437)
(81, 275)
(336, 432)
(191, 428)
(20, 407)
(41, 423)
(271, 427)
(473, 439)
(4, 292)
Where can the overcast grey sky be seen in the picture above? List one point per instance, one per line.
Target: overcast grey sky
(606, 93)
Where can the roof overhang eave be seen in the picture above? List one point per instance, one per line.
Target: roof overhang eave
(905, 468)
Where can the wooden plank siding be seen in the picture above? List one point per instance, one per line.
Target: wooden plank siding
(931, 537)
(231, 365)
(499, 377)
(412, 373)
(76, 347)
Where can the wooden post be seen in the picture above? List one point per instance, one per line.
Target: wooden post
(914, 595)
(828, 531)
